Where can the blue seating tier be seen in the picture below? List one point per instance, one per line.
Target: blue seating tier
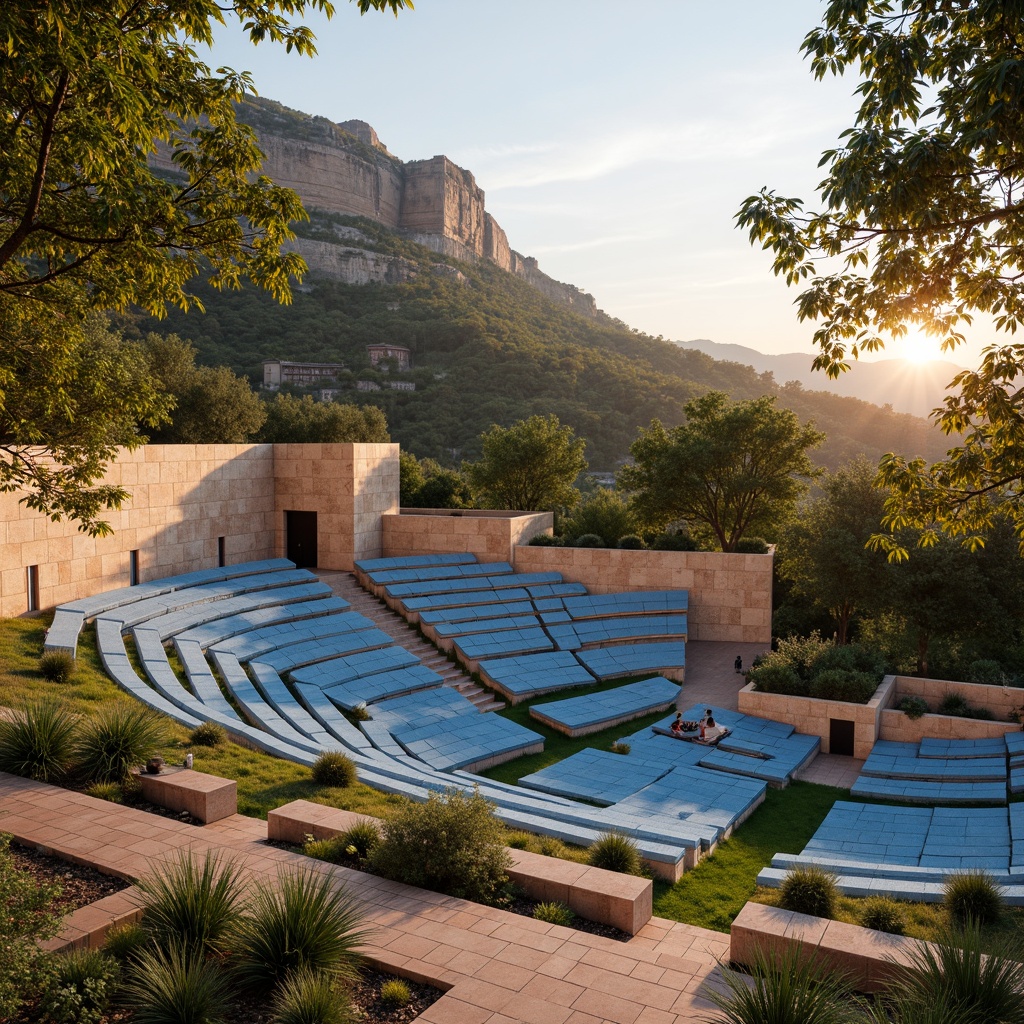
(525, 640)
(635, 659)
(527, 675)
(588, 632)
(593, 711)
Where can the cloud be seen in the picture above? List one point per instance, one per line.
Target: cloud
(597, 243)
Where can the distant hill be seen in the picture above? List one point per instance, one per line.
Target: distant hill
(489, 347)
(916, 388)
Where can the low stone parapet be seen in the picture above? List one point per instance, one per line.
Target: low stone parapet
(87, 927)
(206, 797)
(608, 897)
(867, 959)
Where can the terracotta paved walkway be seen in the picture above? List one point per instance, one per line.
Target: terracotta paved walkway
(498, 968)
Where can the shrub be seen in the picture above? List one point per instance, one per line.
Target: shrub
(618, 747)
(549, 846)
(194, 904)
(751, 546)
(359, 713)
(972, 896)
(589, 540)
(777, 678)
(791, 988)
(452, 844)
(674, 542)
(853, 658)
(309, 997)
(986, 671)
(913, 707)
(37, 742)
(518, 840)
(543, 540)
(307, 920)
(106, 791)
(333, 768)
(883, 914)
(363, 838)
(631, 542)
(954, 980)
(207, 734)
(955, 705)
(554, 913)
(332, 850)
(119, 737)
(125, 942)
(79, 987)
(176, 986)
(395, 993)
(810, 890)
(842, 684)
(615, 852)
(57, 666)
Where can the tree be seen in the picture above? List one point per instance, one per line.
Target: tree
(604, 513)
(823, 552)
(292, 420)
(427, 484)
(922, 225)
(732, 469)
(71, 394)
(530, 466)
(211, 404)
(89, 91)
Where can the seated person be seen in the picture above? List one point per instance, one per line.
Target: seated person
(677, 724)
(712, 730)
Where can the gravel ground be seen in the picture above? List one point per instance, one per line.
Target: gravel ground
(80, 885)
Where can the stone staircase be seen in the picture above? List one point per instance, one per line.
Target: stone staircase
(344, 585)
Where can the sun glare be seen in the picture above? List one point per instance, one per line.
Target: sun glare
(918, 347)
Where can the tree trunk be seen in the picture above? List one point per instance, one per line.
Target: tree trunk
(922, 653)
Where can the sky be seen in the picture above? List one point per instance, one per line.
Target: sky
(615, 141)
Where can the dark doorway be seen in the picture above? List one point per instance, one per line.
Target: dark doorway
(840, 736)
(300, 538)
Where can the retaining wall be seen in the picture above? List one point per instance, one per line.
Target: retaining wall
(492, 536)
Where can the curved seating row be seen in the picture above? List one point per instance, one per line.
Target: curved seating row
(406, 748)
(909, 852)
(592, 712)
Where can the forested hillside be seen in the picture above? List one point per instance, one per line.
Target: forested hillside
(487, 348)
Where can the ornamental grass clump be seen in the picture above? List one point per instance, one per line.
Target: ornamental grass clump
(124, 942)
(883, 914)
(57, 666)
(810, 890)
(37, 741)
(176, 985)
(972, 896)
(333, 768)
(79, 987)
(306, 920)
(118, 738)
(394, 993)
(554, 913)
(311, 997)
(207, 734)
(615, 852)
(452, 844)
(194, 904)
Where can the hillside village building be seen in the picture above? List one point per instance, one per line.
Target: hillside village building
(279, 371)
(380, 353)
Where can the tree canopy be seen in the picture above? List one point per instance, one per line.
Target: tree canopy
(921, 227)
(732, 469)
(530, 466)
(90, 91)
(292, 420)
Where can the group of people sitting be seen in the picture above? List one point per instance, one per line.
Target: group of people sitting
(707, 729)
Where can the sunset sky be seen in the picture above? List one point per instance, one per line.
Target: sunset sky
(614, 141)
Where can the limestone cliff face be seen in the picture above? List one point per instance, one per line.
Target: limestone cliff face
(345, 168)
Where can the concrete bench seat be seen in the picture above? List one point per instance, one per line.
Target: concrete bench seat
(99, 603)
(592, 712)
(64, 631)
(400, 592)
(935, 769)
(184, 597)
(948, 749)
(444, 635)
(220, 620)
(527, 675)
(626, 602)
(264, 639)
(667, 658)
(379, 580)
(284, 702)
(470, 613)
(117, 665)
(470, 650)
(206, 797)
(383, 686)
(772, 772)
(1016, 780)
(589, 633)
(366, 568)
(307, 652)
(200, 676)
(913, 791)
(349, 667)
(320, 706)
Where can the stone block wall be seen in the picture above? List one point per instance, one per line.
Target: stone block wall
(814, 717)
(349, 486)
(492, 536)
(896, 726)
(730, 594)
(183, 497)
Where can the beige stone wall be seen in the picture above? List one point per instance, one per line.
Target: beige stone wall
(492, 536)
(730, 594)
(183, 497)
(896, 726)
(813, 717)
(1000, 700)
(349, 486)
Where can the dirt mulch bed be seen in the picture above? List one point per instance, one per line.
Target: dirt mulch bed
(80, 885)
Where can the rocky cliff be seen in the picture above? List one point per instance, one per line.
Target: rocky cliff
(345, 168)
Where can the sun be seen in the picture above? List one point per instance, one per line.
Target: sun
(918, 347)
